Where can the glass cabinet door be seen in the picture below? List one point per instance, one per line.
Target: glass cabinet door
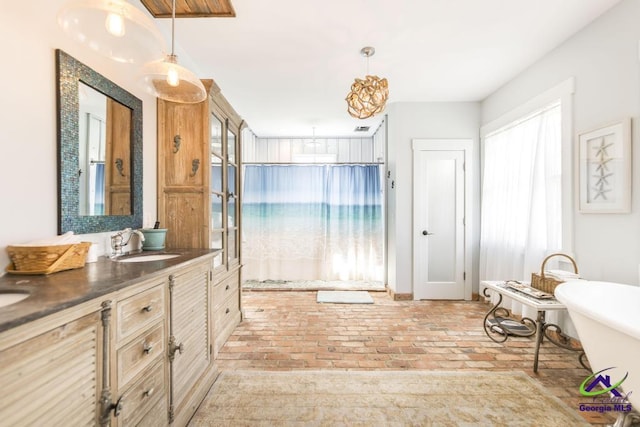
(217, 191)
(232, 197)
(216, 174)
(216, 135)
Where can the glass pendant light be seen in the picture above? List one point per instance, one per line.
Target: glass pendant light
(113, 28)
(167, 80)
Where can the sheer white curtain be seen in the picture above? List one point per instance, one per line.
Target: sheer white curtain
(521, 213)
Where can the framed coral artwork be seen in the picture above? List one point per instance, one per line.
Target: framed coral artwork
(604, 169)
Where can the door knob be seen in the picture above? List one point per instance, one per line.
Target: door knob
(426, 233)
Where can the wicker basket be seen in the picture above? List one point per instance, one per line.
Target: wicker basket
(548, 284)
(47, 259)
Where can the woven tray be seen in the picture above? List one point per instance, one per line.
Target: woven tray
(47, 259)
(548, 284)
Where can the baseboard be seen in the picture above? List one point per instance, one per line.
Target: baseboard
(399, 297)
(409, 297)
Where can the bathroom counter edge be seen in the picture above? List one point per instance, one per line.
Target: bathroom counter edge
(56, 292)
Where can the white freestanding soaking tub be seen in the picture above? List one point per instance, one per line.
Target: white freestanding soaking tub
(607, 319)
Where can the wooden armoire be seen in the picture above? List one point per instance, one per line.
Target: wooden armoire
(199, 191)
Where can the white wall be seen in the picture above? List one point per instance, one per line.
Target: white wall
(284, 150)
(604, 59)
(28, 171)
(407, 121)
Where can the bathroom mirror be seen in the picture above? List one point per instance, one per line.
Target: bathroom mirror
(99, 151)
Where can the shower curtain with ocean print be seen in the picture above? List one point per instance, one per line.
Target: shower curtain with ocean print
(312, 222)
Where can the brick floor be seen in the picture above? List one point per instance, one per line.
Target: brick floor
(289, 330)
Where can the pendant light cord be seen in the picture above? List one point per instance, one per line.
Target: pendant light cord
(173, 26)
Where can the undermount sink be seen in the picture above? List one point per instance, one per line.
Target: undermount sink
(147, 258)
(8, 298)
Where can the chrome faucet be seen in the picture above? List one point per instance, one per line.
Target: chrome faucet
(118, 240)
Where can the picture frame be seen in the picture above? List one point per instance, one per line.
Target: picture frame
(604, 169)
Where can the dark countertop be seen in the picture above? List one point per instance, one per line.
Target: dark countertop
(55, 292)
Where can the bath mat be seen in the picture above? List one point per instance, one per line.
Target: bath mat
(344, 297)
(381, 398)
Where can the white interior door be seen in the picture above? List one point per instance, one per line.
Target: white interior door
(439, 223)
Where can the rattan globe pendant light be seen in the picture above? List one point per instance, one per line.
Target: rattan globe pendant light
(113, 28)
(368, 96)
(168, 80)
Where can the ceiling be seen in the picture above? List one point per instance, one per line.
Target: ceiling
(287, 65)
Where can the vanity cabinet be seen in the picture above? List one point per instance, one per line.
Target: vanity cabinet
(55, 377)
(163, 357)
(139, 356)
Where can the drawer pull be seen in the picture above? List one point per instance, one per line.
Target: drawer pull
(227, 311)
(147, 308)
(147, 348)
(226, 288)
(149, 392)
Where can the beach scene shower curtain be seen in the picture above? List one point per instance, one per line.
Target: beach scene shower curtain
(312, 222)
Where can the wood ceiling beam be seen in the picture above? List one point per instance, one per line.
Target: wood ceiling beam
(190, 8)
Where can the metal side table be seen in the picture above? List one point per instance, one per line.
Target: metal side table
(500, 324)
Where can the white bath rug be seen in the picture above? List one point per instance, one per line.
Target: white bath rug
(344, 297)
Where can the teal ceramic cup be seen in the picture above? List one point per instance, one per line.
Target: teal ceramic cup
(153, 238)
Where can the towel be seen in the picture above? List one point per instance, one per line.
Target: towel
(561, 275)
(67, 238)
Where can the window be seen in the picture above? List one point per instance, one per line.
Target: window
(522, 194)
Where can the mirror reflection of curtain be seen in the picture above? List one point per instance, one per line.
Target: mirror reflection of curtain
(96, 195)
(91, 151)
(316, 222)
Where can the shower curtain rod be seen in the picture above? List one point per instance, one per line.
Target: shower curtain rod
(313, 164)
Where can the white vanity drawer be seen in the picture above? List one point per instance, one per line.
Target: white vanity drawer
(222, 291)
(134, 357)
(227, 310)
(143, 395)
(139, 311)
(226, 318)
(156, 416)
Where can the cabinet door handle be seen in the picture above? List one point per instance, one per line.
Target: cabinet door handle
(118, 406)
(149, 392)
(176, 143)
(226, 288)
(173, 347)
(147, 348)
(227, 311)
(195, 164)
(120, 166)
(147, 308)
